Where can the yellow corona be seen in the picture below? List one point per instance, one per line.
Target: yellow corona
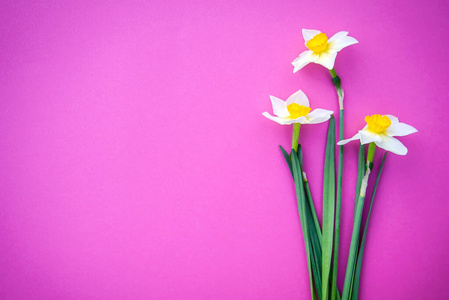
(318, 43)
(377, 123)
(295, 110)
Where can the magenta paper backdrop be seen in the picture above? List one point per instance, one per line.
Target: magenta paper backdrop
(135, 162)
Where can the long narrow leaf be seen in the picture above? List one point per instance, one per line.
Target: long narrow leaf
(353, 250)
(300, 196)
(337, 212)
(306, 186)
(360, 173)
(355, 289)
(316, 258)
(287, 159)
(328, 206)
(315, 236)
(311, 206)
(314, 232)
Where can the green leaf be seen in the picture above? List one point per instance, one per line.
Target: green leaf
(300, 155)
(315, 235)
(311, 206)
(287, 159)
(328, 206)
(315, 232)
(360, 173)
(337, 212)
(300, 196)
(316, 258)
(355, 289)
(353, 249)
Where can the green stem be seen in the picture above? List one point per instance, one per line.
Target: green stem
(337, 83)
(360, 172)
(347, 291)
(295, 136)
(358, 268)
(353, 250)
(370, 155)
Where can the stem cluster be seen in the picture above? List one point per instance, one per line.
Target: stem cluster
(322, 245)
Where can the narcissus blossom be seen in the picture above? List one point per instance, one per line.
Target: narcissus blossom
(296, 109)
(322, 50)
(381, 130)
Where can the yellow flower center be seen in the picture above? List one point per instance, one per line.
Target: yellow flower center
(297, 110)
(377, 123)
(318, 43)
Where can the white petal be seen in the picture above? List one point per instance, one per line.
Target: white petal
(314, 57)
(298, 97)
(326, 59)
(355, 137)
(281, 121)
(341, 43)
(302, 60)
(301, 120)
(319, 115)
(391, 144)
(308, 34)
(367, 137)
(393, 119)
(400, 129)
(337, 36)
(279, 107)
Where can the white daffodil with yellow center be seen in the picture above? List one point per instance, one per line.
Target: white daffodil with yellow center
(322, 50)
(296, 109)
(381, 130)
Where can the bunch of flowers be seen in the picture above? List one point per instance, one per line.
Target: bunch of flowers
(322, 242)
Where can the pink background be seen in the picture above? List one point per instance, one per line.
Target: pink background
(135, 162)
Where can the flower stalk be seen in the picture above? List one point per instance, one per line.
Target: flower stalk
(354, 248)
(358, 267)
(337, 83)
(370, 155)
(295, 136)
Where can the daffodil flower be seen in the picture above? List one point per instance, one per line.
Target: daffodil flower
(381, 130)
(296, 109)
(322, 50)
